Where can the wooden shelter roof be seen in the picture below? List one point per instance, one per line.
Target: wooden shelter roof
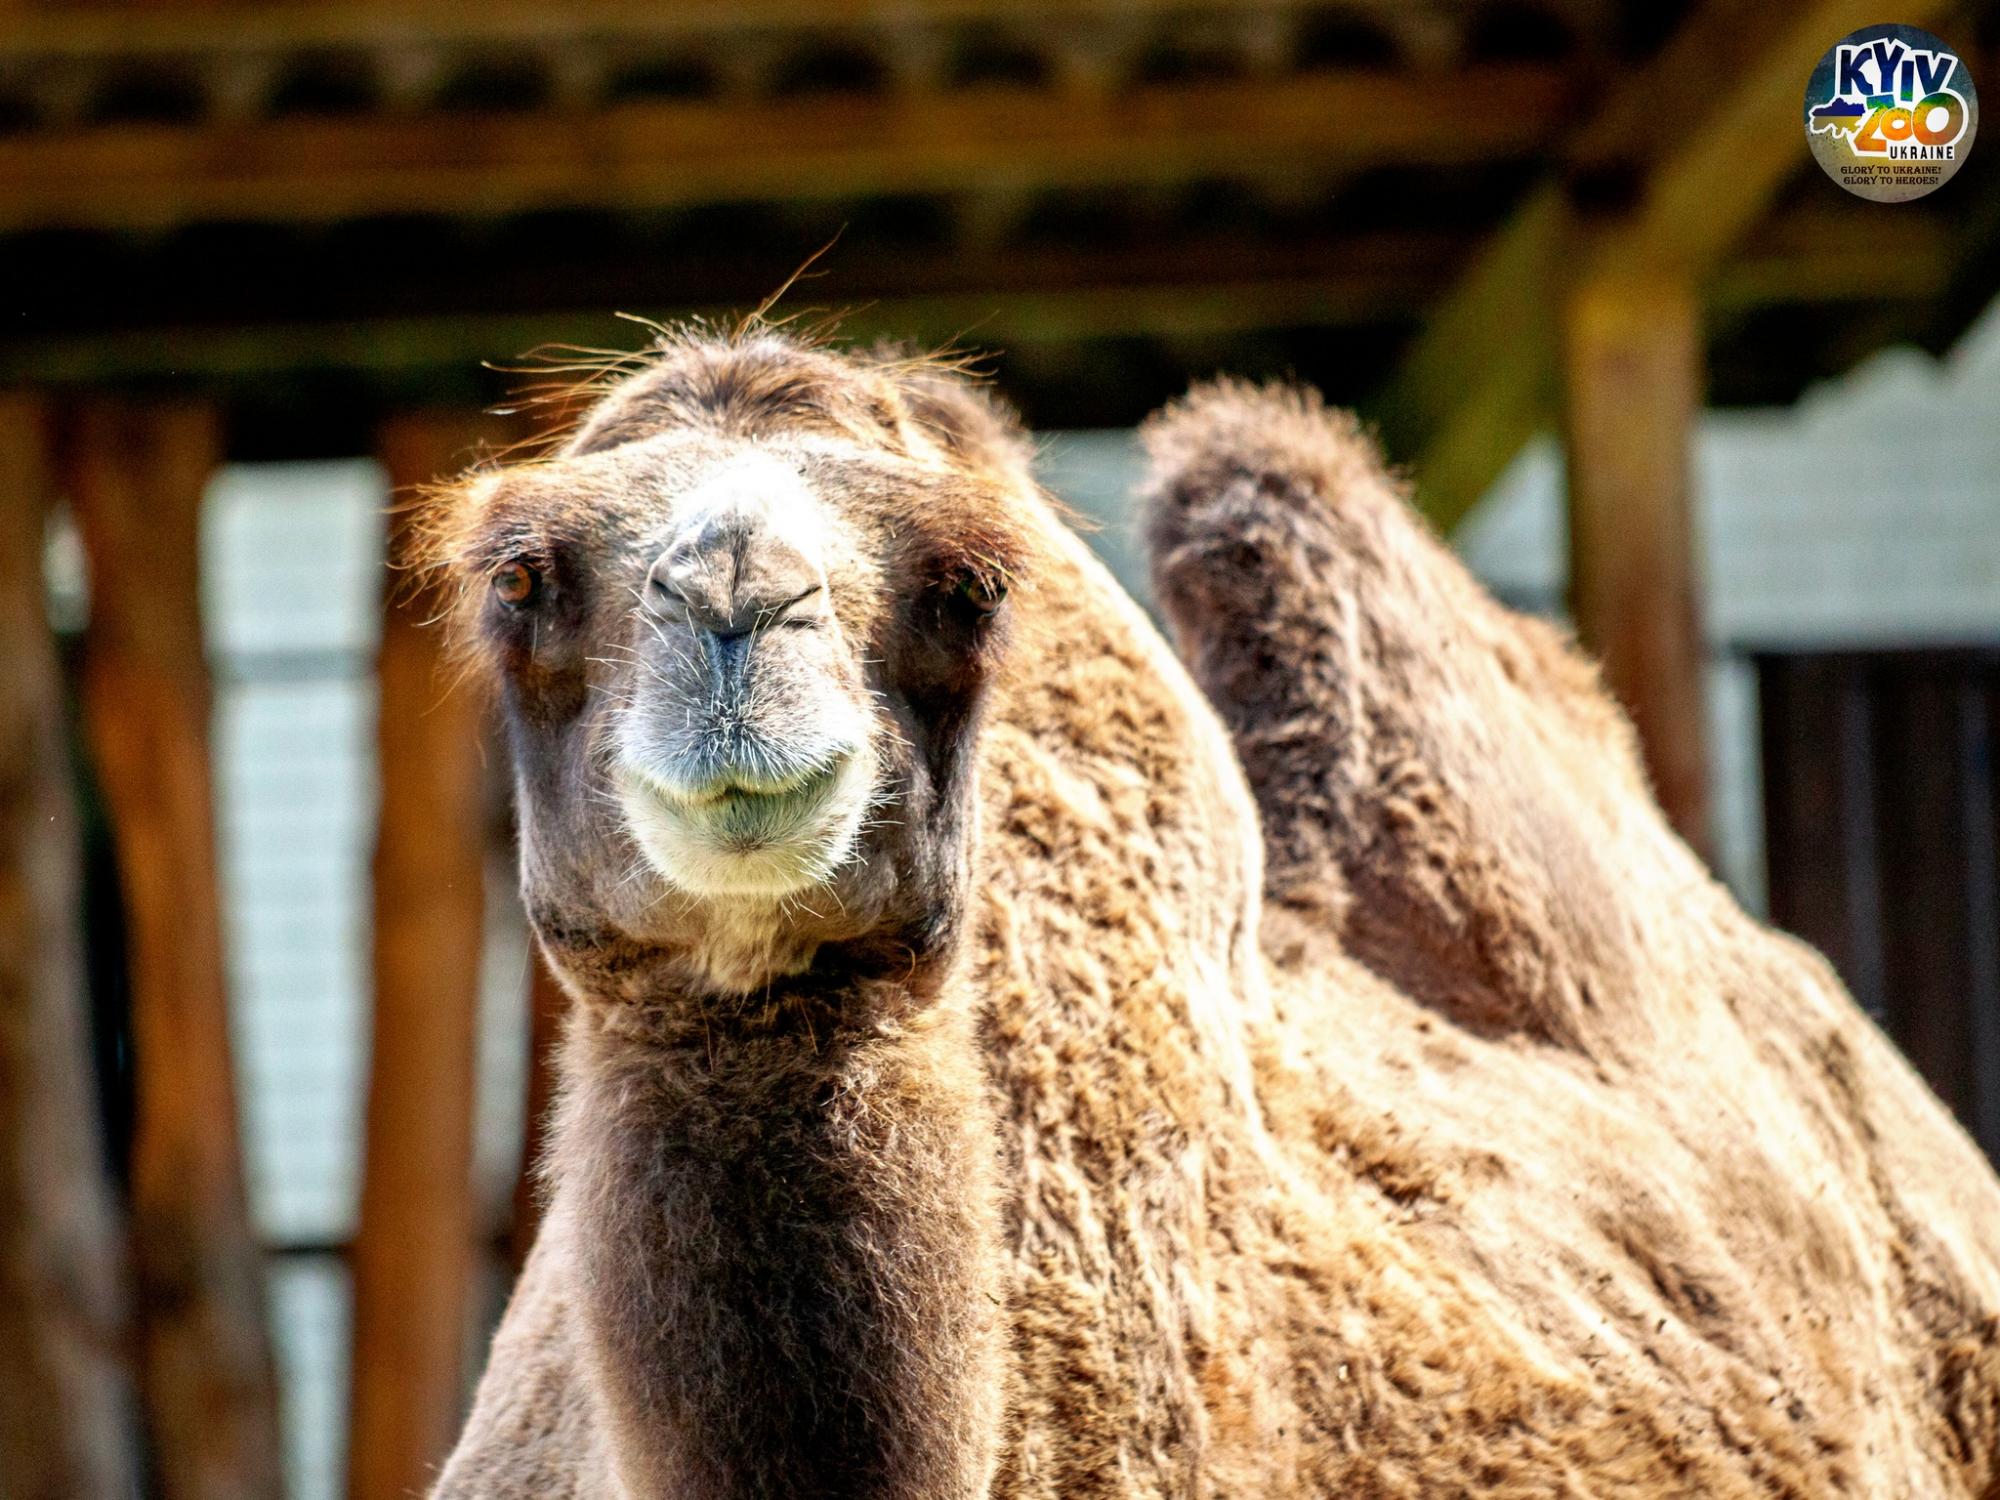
(326, 209)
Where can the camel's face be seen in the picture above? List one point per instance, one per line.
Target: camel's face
(743, 751)
(741, 678)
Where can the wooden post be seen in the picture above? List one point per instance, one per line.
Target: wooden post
(66, 1415)
(1631, 354)
(413, 1260)
(136, 477)
(546, 1007)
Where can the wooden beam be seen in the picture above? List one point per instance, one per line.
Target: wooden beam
(663, 154)
(414, 1255)
(125, 29)
(1481, 379)
(66, 1425)
(1691, 150)
(136, 478)
(1072, 298)
(1838, 253)
(1631, 359)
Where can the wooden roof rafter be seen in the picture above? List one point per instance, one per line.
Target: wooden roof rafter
(660, 154)
(228, 75)
(1194, 290)
(237, 27)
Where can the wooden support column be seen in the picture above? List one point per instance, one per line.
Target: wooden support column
(547, 1005)
(66, 1416)
(136, 477)
(414, 1258)
(1631, 357)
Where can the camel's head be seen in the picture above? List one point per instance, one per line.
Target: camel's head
(741, 625)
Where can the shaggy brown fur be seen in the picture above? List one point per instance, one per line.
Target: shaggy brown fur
(1058, 1147)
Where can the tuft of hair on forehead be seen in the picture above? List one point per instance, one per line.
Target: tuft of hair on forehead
(760, 381)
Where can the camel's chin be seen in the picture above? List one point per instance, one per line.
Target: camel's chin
(748, 844)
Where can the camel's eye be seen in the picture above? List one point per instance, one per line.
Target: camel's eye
(516, 584)
(984, 594)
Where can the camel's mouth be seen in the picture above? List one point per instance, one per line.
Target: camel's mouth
(747, 832)
(749, 810)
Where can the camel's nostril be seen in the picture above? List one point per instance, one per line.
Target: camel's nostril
(663, 586)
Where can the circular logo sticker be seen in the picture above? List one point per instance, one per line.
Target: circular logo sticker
(1890, 113)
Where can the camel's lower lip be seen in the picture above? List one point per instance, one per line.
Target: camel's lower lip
(741, 813)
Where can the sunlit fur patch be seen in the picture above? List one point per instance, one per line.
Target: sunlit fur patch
(746, 837)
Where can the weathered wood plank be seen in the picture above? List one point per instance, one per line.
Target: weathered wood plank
(1821, 821)
(136, 475)
(662, 154)
(121, 29)
(62, 1293)
(1632, 360)
(413, 1258)
(1881, 788)
(1174, 290)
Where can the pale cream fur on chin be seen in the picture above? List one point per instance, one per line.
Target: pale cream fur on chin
(749, 945)
(696, 860)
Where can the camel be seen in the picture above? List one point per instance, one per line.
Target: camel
(1007, 1062)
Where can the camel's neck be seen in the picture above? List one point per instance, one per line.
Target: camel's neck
(789, 1278)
